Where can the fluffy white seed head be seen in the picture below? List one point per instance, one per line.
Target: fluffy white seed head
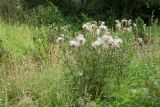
(60, 39)
(74, 44)
(117, 42)
(80, 38)
(111, 41)
(108, 39)
(129, 23)
(94, 26)
(90, 27)
(97, 43)
(140, 40)
(103, 28)
(118, 26)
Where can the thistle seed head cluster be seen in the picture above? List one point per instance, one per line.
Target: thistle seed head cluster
(78, 41)
(98, 27)
(124, 24)
(107, 41)
(104, 39)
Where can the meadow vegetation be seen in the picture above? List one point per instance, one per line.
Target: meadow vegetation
(49, 61)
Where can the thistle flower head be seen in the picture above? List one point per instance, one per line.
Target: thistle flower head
(97, 43)
(101, 22)
(123, 20)
(129, 23)
(60, 39)
(140, 40)
(80, 38)
(103, 28)
(90, 27)
(108, 39)
(118, 26)
(117, 42)
(74, 44)
(94, 26)
(117, 21)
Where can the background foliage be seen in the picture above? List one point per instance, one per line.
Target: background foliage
(107, 10)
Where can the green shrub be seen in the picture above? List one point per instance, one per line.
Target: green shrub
(140, 27)
(46, 15)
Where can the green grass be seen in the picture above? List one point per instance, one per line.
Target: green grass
(28, 79)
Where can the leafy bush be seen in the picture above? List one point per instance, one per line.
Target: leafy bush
(140, 27)
(46, 15)
(13, 11)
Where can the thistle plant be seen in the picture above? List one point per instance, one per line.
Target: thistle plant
(92, 61)
(125, 25)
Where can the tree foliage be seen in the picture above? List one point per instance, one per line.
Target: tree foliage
(97, 9)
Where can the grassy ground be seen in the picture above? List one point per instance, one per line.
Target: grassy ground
(31, 75)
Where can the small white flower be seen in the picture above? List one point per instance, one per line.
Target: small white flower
(118, 26)
(117, 21)
(85, 26)
(129, 22)
(59, 40)
(102, 29)
(124, 22)
(111, 41)
(129, 29)
(134, 25)
(101, 23)
(80, 38)
(140, 40)
(74, 44)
